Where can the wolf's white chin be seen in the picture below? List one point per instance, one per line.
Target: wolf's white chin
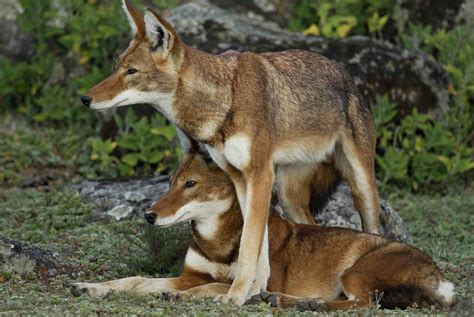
(170, 221)
(102, 106)
(162, 101)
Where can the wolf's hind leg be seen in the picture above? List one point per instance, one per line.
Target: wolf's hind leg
(357, 168)
(294, 191)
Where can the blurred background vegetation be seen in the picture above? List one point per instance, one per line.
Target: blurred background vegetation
(420, 152)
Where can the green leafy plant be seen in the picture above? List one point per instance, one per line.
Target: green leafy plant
(339, 18)
(102, 152)
(75, 44)
(141, 144)
(419, 152)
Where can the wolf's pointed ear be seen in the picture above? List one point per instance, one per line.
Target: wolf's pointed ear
(135, 18)
(159, 32)
(187, 143)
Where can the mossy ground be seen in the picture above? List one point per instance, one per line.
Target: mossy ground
(57, 218)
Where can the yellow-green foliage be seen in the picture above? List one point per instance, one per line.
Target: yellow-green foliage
(340, 18)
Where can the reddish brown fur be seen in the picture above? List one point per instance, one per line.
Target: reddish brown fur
(291, 109)
(311, 266)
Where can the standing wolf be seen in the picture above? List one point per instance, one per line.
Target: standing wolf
(294, 112)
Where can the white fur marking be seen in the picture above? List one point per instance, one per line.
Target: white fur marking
(237, 151)
(303, 151)
(152, 24)
(217, 156)
(133, 26)
(163, 102)
(217, 270)
(208, 226)
(183, 139)
(446, 291)
(195, 210)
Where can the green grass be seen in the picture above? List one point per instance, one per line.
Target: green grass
(44, 154)
(57, 218)
(442, 226)
(101, 250)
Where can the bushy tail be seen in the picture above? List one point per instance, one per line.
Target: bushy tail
(441, 296)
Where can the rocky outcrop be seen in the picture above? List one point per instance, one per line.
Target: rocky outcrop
(410, 78)
(123, 199)
(340, 212)
(119, 200)
(22, 258)
(278, 11)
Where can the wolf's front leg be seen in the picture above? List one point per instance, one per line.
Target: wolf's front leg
(263, 268)
(137, 284)
(211, 290)
(252, 260)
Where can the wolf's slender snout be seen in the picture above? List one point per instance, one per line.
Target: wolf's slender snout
(86, 100)
(150, 217)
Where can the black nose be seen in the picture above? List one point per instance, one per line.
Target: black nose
(86, 100)
(150, 217)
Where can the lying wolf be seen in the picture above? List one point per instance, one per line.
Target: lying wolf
(312, 267)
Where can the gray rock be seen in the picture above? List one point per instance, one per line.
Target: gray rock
(340, 212)
(121, 199)
(120, 211)
(134, 196)
(410, 78)
(278, 11)
(22, 257)
(111, 199)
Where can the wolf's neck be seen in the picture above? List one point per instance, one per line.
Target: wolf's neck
(218, 237)
(204, 94)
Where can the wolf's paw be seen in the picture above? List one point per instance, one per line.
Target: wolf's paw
(78, 289)
(172, 297)
(264, 297)
(311, 304)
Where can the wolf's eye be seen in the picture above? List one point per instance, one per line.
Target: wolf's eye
(189, 184)
(131, 71)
